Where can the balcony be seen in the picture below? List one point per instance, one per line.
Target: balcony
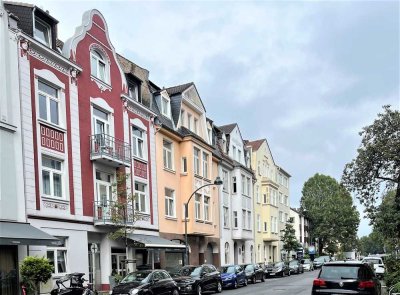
(109, 150)
(109, 213)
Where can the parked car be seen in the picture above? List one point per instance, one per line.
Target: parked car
(146, 282)
(196, 279)
(278, 269)
(253, 273)
(295, 266)
(346, 277)
(307, 264)
(320, 261)
(377, 265)
(233, 276)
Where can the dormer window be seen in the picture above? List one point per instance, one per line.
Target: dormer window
(42, 32)
(165, 106)
(98, 66)
(134, 92)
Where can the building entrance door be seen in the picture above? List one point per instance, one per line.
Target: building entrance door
(8, 270)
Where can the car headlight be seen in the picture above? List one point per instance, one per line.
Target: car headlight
(134, 291)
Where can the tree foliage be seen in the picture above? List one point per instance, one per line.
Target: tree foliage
(288, 238)
(123, 214)
(35, 270)
(377, 165)
(371, 244)
(329, 207)
(386, 221)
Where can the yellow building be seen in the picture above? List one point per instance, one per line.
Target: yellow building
(271, 202)
(185, 161)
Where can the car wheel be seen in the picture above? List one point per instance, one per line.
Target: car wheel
(235, 284)
(289, 273)
(282, 274)
(198, 290)
(175, 292)
(245, 282)
(253, 280)
(263, 278)
(219, 287)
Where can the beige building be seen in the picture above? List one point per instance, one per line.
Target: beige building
(185, 162)
(271, 202)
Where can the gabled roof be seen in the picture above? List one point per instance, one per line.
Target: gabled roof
(227, 129)
(174, 90)
(256, 144)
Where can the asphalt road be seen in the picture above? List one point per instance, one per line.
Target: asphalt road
(294, 285)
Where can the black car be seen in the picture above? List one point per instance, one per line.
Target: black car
(253, 273)
(146, 282)
(196, 279)
(295, 266)
(346, 277)
(278, 269)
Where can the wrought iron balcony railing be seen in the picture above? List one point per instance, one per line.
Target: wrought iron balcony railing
(109, 149)
(113, 213)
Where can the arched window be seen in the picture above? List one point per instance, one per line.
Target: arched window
(98, 66)
(226, 253)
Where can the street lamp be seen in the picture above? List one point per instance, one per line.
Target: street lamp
(217, 181)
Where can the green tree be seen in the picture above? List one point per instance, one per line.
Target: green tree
(35, 270)
(386, 221)
(122, 211)
(329, 207)
(377, 165)
(372, 244)
(288, 238)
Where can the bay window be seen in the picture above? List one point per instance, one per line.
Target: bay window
(205, 165)
(206, 208)
(197, 206)
(196, 161)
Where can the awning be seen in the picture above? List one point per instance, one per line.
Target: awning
(16, 233)
(147, 241)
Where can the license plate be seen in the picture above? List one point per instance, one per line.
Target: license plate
(272, 273)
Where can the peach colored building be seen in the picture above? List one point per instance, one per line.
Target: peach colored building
(185, 161)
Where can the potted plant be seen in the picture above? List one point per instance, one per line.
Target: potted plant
(35, 270)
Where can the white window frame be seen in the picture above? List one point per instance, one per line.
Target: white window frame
(196, 160)
(225, 212)
(206, 208)
(205, 165)
(168, 162)
(55, 253)
(168, 200)
(195, 125)
(189, 119)
(258, 222)
(49, 98)
(225, 179)
(244, 218)
(51, 172)
(248, 186)
(138, 201)
(135, 143)
(98, 61)
(183, 118)
(165, 100)
(49, 33)
(184, 165)
(197, 206)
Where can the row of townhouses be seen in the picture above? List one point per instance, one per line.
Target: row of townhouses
(74, 115)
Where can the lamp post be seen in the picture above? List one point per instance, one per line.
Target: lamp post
(217, 181)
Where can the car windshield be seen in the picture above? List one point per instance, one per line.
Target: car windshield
(338, 272)
(278, 264)
(228, 269)
(139, 276)
(186, 271)
(195, 271)
(372, 260)
(249, 267)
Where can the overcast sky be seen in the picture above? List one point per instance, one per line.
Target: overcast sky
(305, 75)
